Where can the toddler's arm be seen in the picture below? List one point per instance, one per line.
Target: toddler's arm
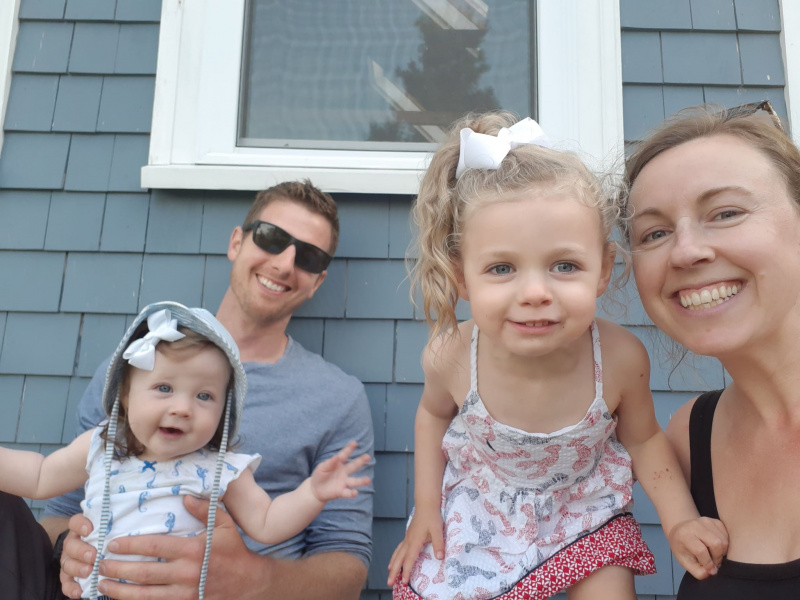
(32, 475)
(699, 543)
(272, 521)
(436, 411)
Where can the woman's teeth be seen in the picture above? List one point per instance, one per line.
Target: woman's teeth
(708, 298)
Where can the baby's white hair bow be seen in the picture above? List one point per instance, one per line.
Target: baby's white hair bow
(482, 151)
(141, 353)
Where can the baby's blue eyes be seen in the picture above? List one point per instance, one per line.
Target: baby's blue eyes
(167, 389)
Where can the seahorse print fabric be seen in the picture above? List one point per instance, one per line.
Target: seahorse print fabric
(147, 496)
(530, 511)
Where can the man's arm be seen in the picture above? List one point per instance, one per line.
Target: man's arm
(334, 575)
(345, 525)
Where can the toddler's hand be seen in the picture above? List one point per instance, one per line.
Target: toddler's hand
(425, 527)
(699, 545)
(331, 479)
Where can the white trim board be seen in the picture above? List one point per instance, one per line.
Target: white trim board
(9, 26)
(790, 42)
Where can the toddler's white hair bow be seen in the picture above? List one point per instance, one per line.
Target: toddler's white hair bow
(482, 151)
(141, 353)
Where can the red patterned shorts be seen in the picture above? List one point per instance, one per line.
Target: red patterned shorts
(619, 542)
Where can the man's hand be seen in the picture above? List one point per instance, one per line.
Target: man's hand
(178, 577)
(232, 566)
(77, 557)
(178, 574)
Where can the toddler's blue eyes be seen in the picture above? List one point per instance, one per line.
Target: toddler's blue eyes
(204, 396)
(565, 268)
(501, 270)
(164, 388)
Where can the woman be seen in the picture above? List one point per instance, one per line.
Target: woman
(714, 229)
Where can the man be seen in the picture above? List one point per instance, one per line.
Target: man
(299, 411)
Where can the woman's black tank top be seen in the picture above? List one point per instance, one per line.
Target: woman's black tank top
(735, 580)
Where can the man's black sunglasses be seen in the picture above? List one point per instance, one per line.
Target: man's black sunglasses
(275, 240)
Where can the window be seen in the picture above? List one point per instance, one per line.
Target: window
(364, 115)
(380, 74)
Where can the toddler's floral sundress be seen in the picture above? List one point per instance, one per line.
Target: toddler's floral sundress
(528, 514)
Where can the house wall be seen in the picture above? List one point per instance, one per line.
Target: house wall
(83, 248)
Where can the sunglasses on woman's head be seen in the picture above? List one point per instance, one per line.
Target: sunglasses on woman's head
(763, 110)
(271, 238)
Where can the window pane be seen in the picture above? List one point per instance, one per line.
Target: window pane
(381, 74)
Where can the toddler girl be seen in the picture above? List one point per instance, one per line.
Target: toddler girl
(174, 393)
(525, 436)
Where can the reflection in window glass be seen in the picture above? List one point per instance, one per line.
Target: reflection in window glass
(381, 74)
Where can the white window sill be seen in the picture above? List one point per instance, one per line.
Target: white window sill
(251, 178)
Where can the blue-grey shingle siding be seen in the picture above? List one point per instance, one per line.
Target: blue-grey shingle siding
(86, 247)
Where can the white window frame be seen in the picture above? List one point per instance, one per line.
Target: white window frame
(9, 26)
(194, 130)
(790, 42)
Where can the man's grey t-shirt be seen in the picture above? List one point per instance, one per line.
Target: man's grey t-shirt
(298, 412)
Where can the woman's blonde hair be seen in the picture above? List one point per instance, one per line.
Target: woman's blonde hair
(445, 202)
(763, 134)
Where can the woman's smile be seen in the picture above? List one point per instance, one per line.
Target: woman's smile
(708, 296)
